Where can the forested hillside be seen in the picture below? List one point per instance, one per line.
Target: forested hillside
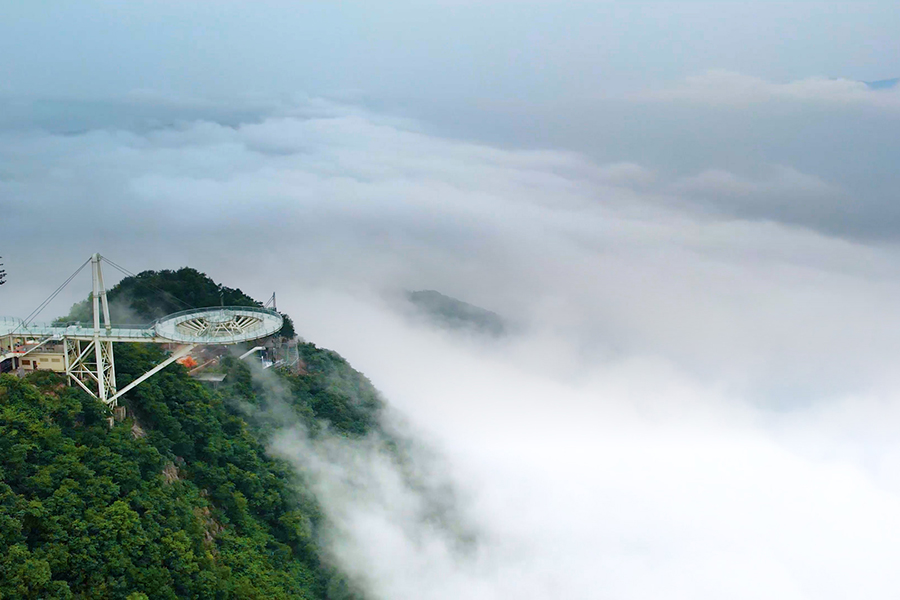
(180, 500)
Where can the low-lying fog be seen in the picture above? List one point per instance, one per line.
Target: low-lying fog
(624, 477)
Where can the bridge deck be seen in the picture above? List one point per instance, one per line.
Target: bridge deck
(218, 325)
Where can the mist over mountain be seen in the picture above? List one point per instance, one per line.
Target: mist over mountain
(707, 352)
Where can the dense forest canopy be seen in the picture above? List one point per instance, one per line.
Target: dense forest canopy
(180, 500)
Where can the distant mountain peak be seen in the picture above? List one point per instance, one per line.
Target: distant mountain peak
(451, 313)
(883, 84)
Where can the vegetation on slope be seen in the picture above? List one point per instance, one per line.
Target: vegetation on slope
(189, 506)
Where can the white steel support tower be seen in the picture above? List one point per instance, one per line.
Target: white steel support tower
(91, 363)
(88, 351)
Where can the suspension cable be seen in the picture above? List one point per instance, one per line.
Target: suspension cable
(43, 305)
(150, 285)
(37, 311)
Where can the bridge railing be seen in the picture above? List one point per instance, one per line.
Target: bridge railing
(43, 330)
(212, 309)
(11, 326)
(269, 322)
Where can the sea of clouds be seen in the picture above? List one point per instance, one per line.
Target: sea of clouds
(699, 395)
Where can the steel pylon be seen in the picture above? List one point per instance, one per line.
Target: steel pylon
(91, 363)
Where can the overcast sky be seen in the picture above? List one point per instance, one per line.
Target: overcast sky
(687, 210)
(530, 51)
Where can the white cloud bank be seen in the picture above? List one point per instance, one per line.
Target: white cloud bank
(731, 89)
(695, 406)
(628, 480)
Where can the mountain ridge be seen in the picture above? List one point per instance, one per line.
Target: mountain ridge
(451, 313)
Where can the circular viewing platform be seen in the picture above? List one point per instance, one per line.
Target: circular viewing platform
(219, 325)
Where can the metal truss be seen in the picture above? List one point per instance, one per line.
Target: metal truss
(91, 364)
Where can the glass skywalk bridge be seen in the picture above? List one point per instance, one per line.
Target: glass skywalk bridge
(85, 350)
(217, 325)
